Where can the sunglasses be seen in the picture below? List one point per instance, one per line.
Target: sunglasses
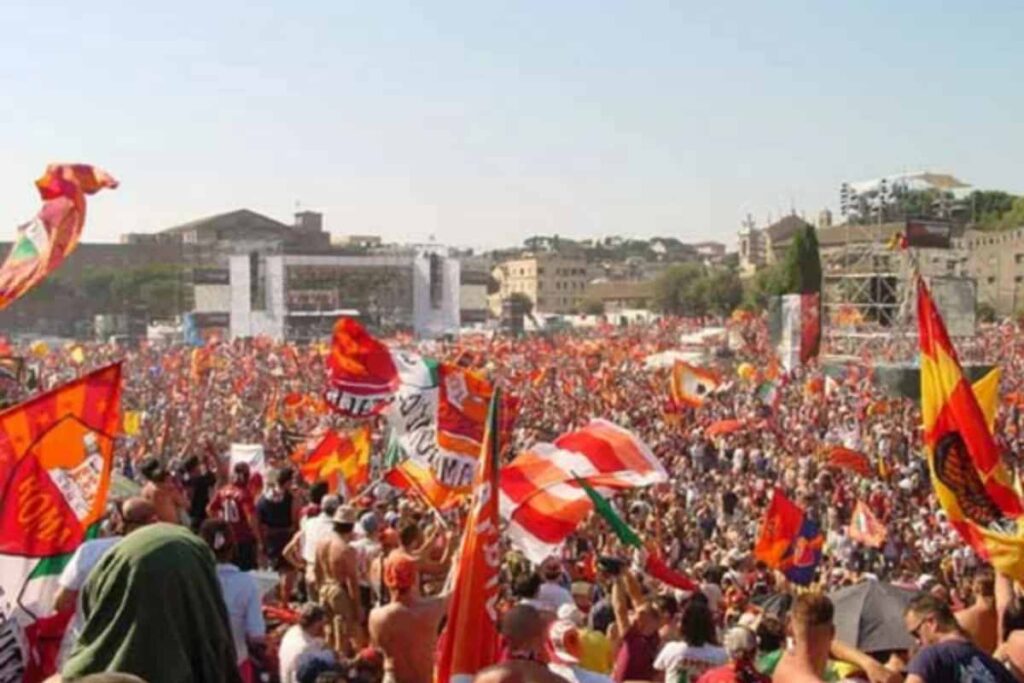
(916, 631)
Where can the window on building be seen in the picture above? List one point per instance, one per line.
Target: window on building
(991, 280)
(257, 284)
(1018, 259)
(540, 270)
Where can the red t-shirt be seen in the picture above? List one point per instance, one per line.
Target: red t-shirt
(236, 507)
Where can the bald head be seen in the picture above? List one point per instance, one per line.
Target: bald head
(137, 512)
(524, 628)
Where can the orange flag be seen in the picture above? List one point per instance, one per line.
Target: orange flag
(470, 639)
(341, 460)
(56, 455)
(865, 527)
(971, 482)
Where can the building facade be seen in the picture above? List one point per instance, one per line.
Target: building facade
(554, 283)
(996, 261)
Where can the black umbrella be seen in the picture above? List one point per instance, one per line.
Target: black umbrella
(869, 616)
(776, 604)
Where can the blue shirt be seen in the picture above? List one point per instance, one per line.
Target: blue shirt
(957, 661)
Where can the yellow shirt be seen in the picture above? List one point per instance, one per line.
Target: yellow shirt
(596, 652)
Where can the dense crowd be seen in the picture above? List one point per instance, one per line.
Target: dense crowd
(318, 588)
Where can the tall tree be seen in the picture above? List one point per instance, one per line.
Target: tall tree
(802, 264)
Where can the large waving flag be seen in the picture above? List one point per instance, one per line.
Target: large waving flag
(43, 243)
(541, 496)
(971, 483)
(342, 460)
(436, 411)
(845, 458)
(56, 452)
(690, 385)
(362, 378)
(470, 639)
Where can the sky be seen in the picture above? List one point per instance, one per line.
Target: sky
(482, 123)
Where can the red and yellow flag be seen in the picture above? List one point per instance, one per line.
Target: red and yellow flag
(414, 476)
(470, 639)
(43, 243)
(341, 460)
(971, 483)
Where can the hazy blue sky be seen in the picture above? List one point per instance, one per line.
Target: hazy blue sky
(484, 122)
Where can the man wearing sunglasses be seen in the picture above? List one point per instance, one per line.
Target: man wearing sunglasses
(946, 655)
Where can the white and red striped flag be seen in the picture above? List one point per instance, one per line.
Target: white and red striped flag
(540, 497)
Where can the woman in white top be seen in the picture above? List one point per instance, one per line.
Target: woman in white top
(684, 661)
(241, 595)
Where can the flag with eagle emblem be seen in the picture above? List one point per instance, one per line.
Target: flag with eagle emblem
(971, 482)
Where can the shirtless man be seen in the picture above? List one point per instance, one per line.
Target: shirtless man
(525, 630)
(980, 621)
(337, 575)
(406, 628)
(162, 492)
(812, 630)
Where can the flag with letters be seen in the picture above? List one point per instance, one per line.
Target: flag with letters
(56, 455)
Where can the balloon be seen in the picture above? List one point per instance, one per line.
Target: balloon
(745, 371)
(39, 349)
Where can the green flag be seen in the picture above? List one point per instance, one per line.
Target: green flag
(604, 508)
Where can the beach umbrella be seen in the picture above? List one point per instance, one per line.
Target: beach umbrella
(869, 616)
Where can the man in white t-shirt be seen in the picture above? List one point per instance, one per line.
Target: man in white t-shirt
(136, 513)
(307, 636)
(312, 530)
(552, 594)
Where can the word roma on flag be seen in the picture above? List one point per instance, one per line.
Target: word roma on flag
(42, 244)
(56, 453)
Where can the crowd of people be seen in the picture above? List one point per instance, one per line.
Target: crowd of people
(216, 572)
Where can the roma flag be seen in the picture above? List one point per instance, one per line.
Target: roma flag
(971, 483)
(43, 243)
(470, 639)
(780, 526)
(56, 452)
(804, 554)
(341, 461)
(690, 385)
(865, 527)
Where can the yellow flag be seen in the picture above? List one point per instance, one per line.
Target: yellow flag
(77, 355)
(132, 422)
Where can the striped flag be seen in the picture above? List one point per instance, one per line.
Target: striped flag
(865, 527)
(973, 486)
(470, 639)
(690, 385)
(540, 497)
(42, 244)
(794, 321)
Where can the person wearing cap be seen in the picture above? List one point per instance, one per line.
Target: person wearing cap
(337, 576)
(567, 648)
(741, 647)
(303, 639)
(234, 504)
(301, 550)
(162, 491)
(406, 629)
(368, 549)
